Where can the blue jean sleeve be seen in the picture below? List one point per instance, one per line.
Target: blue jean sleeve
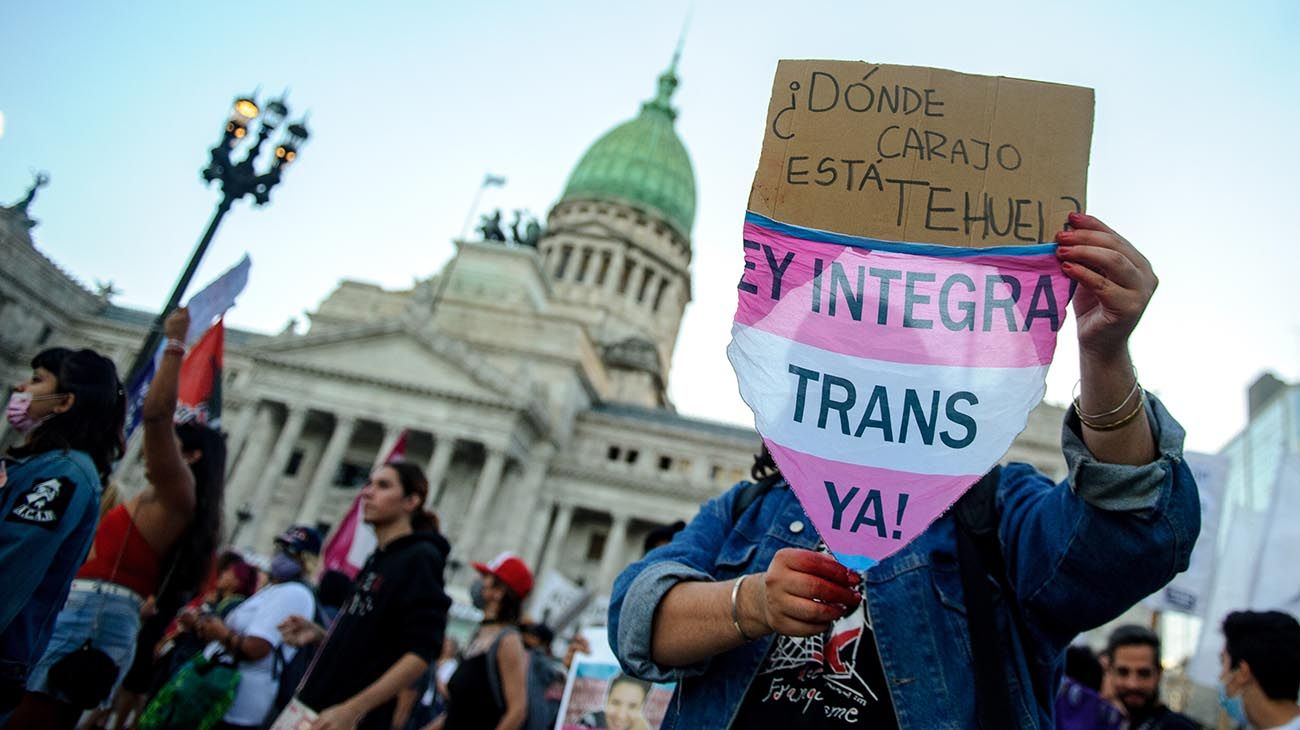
(1082, 552)
(29, 542)
(640, 588)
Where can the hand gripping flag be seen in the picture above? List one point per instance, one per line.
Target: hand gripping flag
(199, 398)
(352, 542)
(887, 378)
(209, 303)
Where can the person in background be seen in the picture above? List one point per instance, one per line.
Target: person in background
(250, 635)
(624, 706)
(234, 580)
(448, 660)
(472, 701)
(131, 697)
(1134, 669)
(1079, 704)
(1259, 684)
(70, 413)
(391, 628)
(544, 670)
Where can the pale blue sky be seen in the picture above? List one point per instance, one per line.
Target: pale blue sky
(1194, 156)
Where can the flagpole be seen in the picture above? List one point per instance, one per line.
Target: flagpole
(488, 180)
(473, 208)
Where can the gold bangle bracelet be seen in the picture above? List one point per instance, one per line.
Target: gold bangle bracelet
(1114, 425)
(1094, 416)
(735, 614)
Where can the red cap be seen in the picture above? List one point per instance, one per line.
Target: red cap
(509, 569)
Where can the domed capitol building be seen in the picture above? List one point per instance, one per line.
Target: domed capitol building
(532, 381)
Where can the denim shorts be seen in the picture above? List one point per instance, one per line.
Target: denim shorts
(115, 623)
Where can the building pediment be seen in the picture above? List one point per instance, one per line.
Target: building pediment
(393, 353)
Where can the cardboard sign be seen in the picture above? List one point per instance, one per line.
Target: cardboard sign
(296, 716)
(904, 153)
(886, 373)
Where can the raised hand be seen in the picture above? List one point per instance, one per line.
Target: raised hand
(1115, 284)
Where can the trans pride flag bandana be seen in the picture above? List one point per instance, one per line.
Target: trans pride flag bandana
(887, 378)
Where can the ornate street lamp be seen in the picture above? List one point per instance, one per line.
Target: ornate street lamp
(237, 180)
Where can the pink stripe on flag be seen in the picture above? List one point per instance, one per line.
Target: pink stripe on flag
(959, 289)
(873, 519)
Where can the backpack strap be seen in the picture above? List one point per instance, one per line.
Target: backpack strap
(494, 671)
(751, 493)
(982, 572)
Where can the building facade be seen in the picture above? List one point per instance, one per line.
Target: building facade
(532, 381)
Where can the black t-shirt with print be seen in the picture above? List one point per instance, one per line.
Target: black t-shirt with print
(833, 680)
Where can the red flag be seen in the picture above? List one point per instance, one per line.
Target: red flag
(352, 542)
(200, 387)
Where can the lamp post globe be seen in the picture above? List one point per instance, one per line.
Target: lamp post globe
(238, 179)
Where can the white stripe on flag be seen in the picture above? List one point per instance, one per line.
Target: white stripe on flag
(763, 361)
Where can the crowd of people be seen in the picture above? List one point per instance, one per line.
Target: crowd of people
(126, 612)
(129, 612)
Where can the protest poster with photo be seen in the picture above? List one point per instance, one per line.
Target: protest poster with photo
(599, 695)
(900, 298)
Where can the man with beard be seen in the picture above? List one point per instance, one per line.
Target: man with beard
(1133, 670)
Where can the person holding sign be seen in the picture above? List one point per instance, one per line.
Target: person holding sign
(967, 624)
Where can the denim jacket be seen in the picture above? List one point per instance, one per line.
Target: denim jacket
(49, 507)
(1077, 555)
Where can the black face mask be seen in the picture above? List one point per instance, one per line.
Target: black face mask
(476, 595)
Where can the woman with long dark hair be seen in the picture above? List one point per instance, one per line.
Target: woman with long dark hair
(159, 543)
(70, 413)
(476, 699)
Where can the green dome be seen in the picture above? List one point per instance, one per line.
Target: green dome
(642, 162)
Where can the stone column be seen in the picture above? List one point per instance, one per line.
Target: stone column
(274, 470)
(391, 435)
(527, 523)
(238, 433)
(443, 449)
(559, 533)
(488, 481)
(326, 468)
(633, 277)
(570, 273)
(243, 474)
(615, 271)
(647, 287)
(611, 562)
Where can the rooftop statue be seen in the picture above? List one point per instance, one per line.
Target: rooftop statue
(20, 208)
(532, 232)
(490, 226)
